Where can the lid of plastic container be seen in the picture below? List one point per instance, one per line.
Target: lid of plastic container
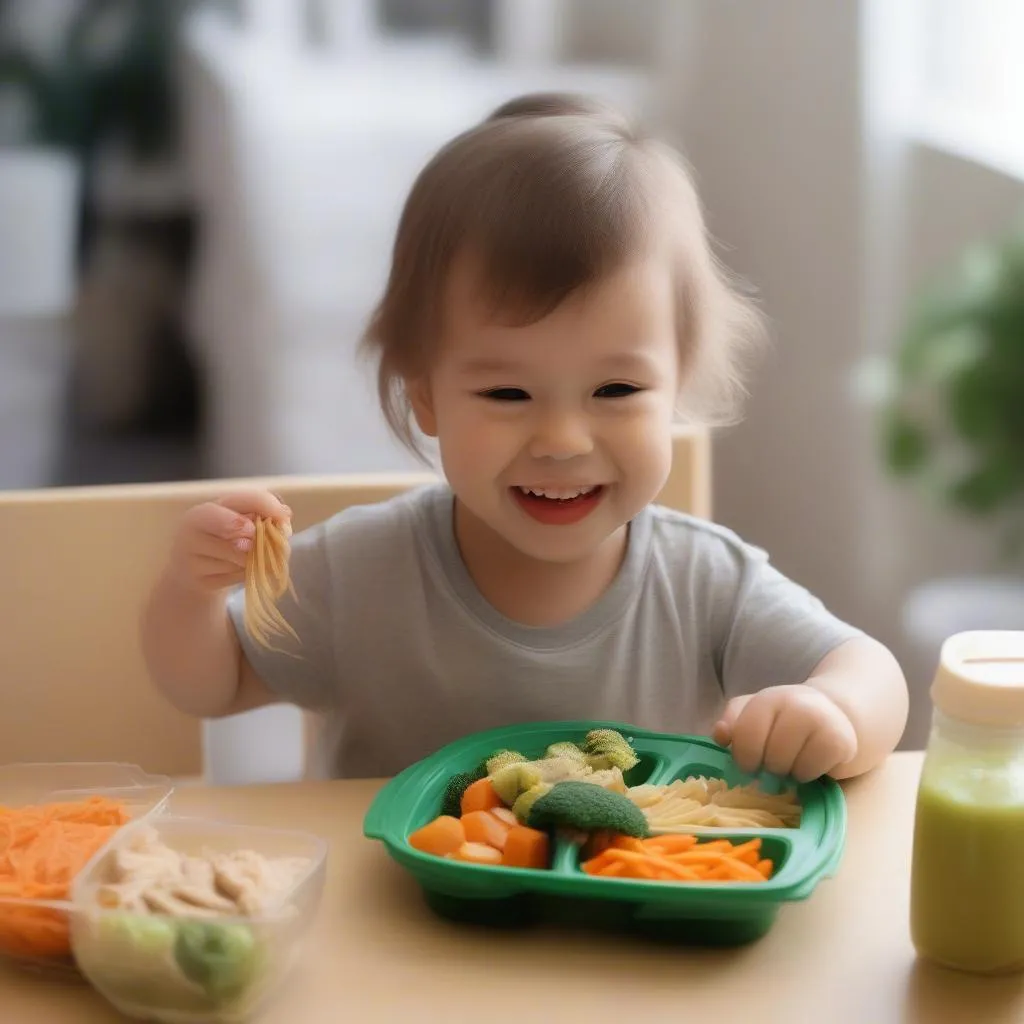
(980, 678)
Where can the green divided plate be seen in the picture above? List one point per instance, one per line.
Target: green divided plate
(703, 913)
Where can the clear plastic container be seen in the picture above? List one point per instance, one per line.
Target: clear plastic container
(967, 881)
(35, 933)
(182, 969)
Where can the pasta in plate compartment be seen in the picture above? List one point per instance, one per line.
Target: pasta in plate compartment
(698, 803)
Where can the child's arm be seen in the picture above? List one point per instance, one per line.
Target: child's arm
(845, 719)
(193, 653)
(189, 643)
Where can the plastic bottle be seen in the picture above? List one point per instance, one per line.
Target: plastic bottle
(967, 871)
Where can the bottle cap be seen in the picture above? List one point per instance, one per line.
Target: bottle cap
(980, 678)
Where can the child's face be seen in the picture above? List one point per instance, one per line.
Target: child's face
(577, 407)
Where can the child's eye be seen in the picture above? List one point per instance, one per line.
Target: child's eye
(506, 394)
(617, 390)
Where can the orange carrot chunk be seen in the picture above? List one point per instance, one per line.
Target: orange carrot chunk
(478, 853)
(484, 827)
(480, 796)
(526, 848)
(442, 836)
(505, 814)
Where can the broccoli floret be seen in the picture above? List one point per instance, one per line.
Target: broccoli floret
(587, 808)
(502, 759)
(451, 802)
(566, 751)
(221, 958)
(506, 783)
(526, 800)
(607, 748)
(512, 780)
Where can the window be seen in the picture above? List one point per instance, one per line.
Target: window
(972, 87)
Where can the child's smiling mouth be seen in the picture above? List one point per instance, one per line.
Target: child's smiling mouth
(558, 506)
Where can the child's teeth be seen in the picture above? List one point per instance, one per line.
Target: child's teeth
(562, 495)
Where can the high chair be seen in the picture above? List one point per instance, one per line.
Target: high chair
(81, 560)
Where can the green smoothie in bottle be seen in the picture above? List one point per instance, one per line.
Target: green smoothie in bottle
(967, 872)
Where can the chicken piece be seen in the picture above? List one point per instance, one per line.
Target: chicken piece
(164, 903)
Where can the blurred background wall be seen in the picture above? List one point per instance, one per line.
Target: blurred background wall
(185, 268)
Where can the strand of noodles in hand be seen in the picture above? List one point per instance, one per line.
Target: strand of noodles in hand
(267, 579)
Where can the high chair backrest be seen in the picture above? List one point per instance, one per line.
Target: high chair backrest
(73, 685)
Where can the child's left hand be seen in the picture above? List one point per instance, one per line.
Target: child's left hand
(790, 730)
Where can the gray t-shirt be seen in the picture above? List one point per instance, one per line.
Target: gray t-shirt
(403, 654)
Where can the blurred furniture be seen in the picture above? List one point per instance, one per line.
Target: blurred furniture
(842, 956)
(80, 81)
(39, 191)
(299, 161)
(74, 683)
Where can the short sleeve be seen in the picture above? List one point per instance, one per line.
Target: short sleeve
(771, 630)
(303, 672)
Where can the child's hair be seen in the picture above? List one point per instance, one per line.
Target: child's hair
(545, 197)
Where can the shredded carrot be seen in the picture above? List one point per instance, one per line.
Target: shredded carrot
(42, 849)
(665, 844)
(680, 858)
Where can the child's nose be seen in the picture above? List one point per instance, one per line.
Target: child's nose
(561, 436)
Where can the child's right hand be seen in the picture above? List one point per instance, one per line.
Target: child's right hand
(214, 539)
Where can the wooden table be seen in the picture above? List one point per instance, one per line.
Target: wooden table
(843, 956)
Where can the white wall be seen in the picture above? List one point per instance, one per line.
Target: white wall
(771, 121)
(789, 112)
(952, 202)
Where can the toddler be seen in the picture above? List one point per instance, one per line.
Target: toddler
(553, 305)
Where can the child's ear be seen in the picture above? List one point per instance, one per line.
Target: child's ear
(422, 401)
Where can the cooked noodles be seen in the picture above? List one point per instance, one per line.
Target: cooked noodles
(699, 803)
(267, 579)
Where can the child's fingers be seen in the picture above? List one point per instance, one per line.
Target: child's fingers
(256, 503)
(750, 733)
(214, 520)
(235, 552)
(790, 731)
(231, 517)
(722, 732)
(825, 749)
(818, 756)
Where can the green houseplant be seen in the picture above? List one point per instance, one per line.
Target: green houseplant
(109, 72)
(953, 401)
(950, 398)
